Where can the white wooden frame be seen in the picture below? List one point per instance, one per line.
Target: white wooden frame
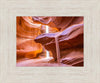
(9, 73)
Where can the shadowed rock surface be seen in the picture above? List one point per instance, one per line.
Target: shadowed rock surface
(69, 38)
(59, 22)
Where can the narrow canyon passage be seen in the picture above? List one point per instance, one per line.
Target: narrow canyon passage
(49, 41)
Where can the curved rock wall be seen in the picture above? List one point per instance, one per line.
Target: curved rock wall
(69, 31)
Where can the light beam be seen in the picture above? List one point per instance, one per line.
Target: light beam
(47, 52)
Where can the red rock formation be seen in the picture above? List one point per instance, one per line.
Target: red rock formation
(69, 38)
(60, 22)
(26, 28)
(68, 30)
(26, 32)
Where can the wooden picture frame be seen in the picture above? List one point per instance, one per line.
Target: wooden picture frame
(9, 73)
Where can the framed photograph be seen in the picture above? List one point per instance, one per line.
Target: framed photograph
(49, 41)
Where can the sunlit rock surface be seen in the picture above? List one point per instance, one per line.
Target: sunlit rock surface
(26, 28)
(28, 48)
(26, 32)
(32, 36)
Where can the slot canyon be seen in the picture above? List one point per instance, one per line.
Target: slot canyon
(49, 41)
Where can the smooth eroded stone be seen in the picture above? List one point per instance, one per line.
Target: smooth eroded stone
(60, 22)
(73, 56)
(72, 37)
(26, 28)
(28, 48)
